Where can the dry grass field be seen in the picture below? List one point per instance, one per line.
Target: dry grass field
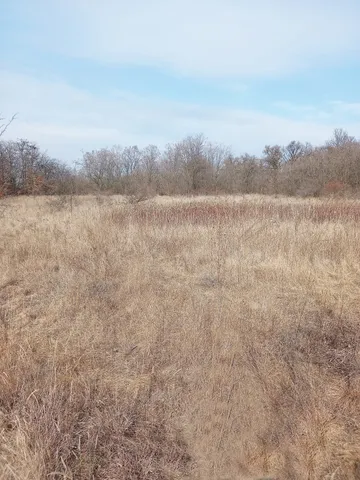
(207, 339)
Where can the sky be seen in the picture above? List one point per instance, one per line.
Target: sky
(87, 74)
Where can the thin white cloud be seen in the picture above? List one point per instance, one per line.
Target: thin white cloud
(65, 120)
(294, 107)
(214, 38)
(327, 111)
(305, 112)
(347, 107)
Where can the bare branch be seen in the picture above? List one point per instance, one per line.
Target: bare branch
(5, 126)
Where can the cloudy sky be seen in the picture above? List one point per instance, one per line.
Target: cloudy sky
(84, 74)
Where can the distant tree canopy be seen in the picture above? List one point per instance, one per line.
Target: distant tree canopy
(24, 169)
(192, 165)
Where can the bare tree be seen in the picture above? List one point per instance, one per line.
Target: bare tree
(102, 167)
(149, 163)
(249, 167)
(293, 151)
(273, 159)
(19, 161)
(193, 161)
(25, 169)
(131, 159)
(216, 155)
(340, 138)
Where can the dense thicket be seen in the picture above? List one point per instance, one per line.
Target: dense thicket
(193, 165)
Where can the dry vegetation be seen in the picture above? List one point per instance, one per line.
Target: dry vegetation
(208, 338)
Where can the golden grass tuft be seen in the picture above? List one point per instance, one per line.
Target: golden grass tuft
(179, 338)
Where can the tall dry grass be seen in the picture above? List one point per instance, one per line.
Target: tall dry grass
(201, 339)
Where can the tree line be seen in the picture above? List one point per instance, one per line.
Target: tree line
(193, 165)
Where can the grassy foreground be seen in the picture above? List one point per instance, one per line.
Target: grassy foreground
(208, 338)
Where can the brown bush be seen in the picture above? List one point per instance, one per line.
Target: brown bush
(334, 187)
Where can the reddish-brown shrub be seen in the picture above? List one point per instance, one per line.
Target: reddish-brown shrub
(334, 187)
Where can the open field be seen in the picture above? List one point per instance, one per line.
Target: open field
(179, 338)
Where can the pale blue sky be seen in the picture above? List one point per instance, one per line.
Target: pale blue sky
(84, 74)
